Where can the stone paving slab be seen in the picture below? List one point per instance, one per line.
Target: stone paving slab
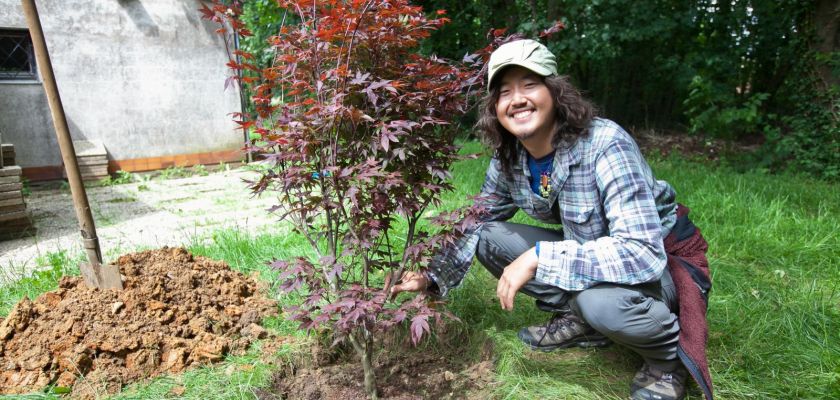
(138, 215)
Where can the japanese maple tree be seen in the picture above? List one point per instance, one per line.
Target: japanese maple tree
(355, 127)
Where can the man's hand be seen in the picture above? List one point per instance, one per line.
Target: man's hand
(411, 282)
(515, 276)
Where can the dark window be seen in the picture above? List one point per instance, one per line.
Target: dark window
(17, 58)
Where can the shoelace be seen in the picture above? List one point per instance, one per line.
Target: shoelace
(665, 381)
(664, 378)
(556, 323)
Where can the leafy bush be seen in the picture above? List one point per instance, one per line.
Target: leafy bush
(354, 126)
(808, 138)
(713, 111)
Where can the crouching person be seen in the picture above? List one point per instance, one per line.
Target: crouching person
(627, 266)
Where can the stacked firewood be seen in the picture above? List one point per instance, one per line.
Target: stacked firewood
(14, 219)
(8, 154)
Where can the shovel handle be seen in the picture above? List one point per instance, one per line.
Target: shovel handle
(65, 143)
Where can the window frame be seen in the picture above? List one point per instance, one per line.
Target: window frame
(21, 75)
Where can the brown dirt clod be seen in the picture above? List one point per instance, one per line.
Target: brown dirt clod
(176, 311)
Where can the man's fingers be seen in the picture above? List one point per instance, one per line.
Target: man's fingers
(409, 283)
(505, 293)
(501, 291)
(402, 287)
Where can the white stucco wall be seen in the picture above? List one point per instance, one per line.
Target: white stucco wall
(145, 77)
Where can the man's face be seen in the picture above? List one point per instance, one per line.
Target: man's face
(525, 107)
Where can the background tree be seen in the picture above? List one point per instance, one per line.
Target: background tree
(762, 71)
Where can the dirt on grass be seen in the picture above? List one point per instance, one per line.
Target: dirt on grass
(176, 311)
(693, 147)
(443, 370)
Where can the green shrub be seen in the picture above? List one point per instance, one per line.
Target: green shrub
(712, 110)
(812, 143)
(806, 136)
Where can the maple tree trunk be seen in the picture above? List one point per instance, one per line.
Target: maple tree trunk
(367, 363)
(364, 348)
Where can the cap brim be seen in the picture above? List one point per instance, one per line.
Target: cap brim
(531, 66)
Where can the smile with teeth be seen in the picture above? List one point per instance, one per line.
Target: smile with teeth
(522, 114)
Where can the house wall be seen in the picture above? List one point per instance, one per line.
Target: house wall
(144, 77)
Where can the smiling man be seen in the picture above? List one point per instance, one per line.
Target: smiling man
(627, 267)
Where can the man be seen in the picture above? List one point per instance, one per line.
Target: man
(628, 266)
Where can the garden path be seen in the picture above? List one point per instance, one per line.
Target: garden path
(149, 213)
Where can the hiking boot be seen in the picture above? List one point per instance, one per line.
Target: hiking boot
(653, 384)
(562, 331)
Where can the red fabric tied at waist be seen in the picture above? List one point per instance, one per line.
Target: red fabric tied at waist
(689, 269)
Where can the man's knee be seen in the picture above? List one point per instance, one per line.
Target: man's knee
(615, 311)
(599, 310)
(492, 231)
(488, 253)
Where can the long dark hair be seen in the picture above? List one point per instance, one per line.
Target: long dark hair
(574, 114)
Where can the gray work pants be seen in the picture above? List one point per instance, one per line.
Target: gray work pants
(636, 316)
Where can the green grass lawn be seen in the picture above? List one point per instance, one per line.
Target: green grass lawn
(774, 311)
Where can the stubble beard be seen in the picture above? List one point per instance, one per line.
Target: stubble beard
(525, 136)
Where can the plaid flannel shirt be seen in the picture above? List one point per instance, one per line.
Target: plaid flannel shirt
(614, 213)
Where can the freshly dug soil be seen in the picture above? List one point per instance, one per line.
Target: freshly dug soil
(444, 372)
(176, 311)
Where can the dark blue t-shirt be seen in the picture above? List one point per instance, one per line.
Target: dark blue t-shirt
(537, 167)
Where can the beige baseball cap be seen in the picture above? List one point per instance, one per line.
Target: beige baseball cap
(526, 53)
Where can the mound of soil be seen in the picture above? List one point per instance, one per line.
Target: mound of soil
(444, 372)
(176, 311)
